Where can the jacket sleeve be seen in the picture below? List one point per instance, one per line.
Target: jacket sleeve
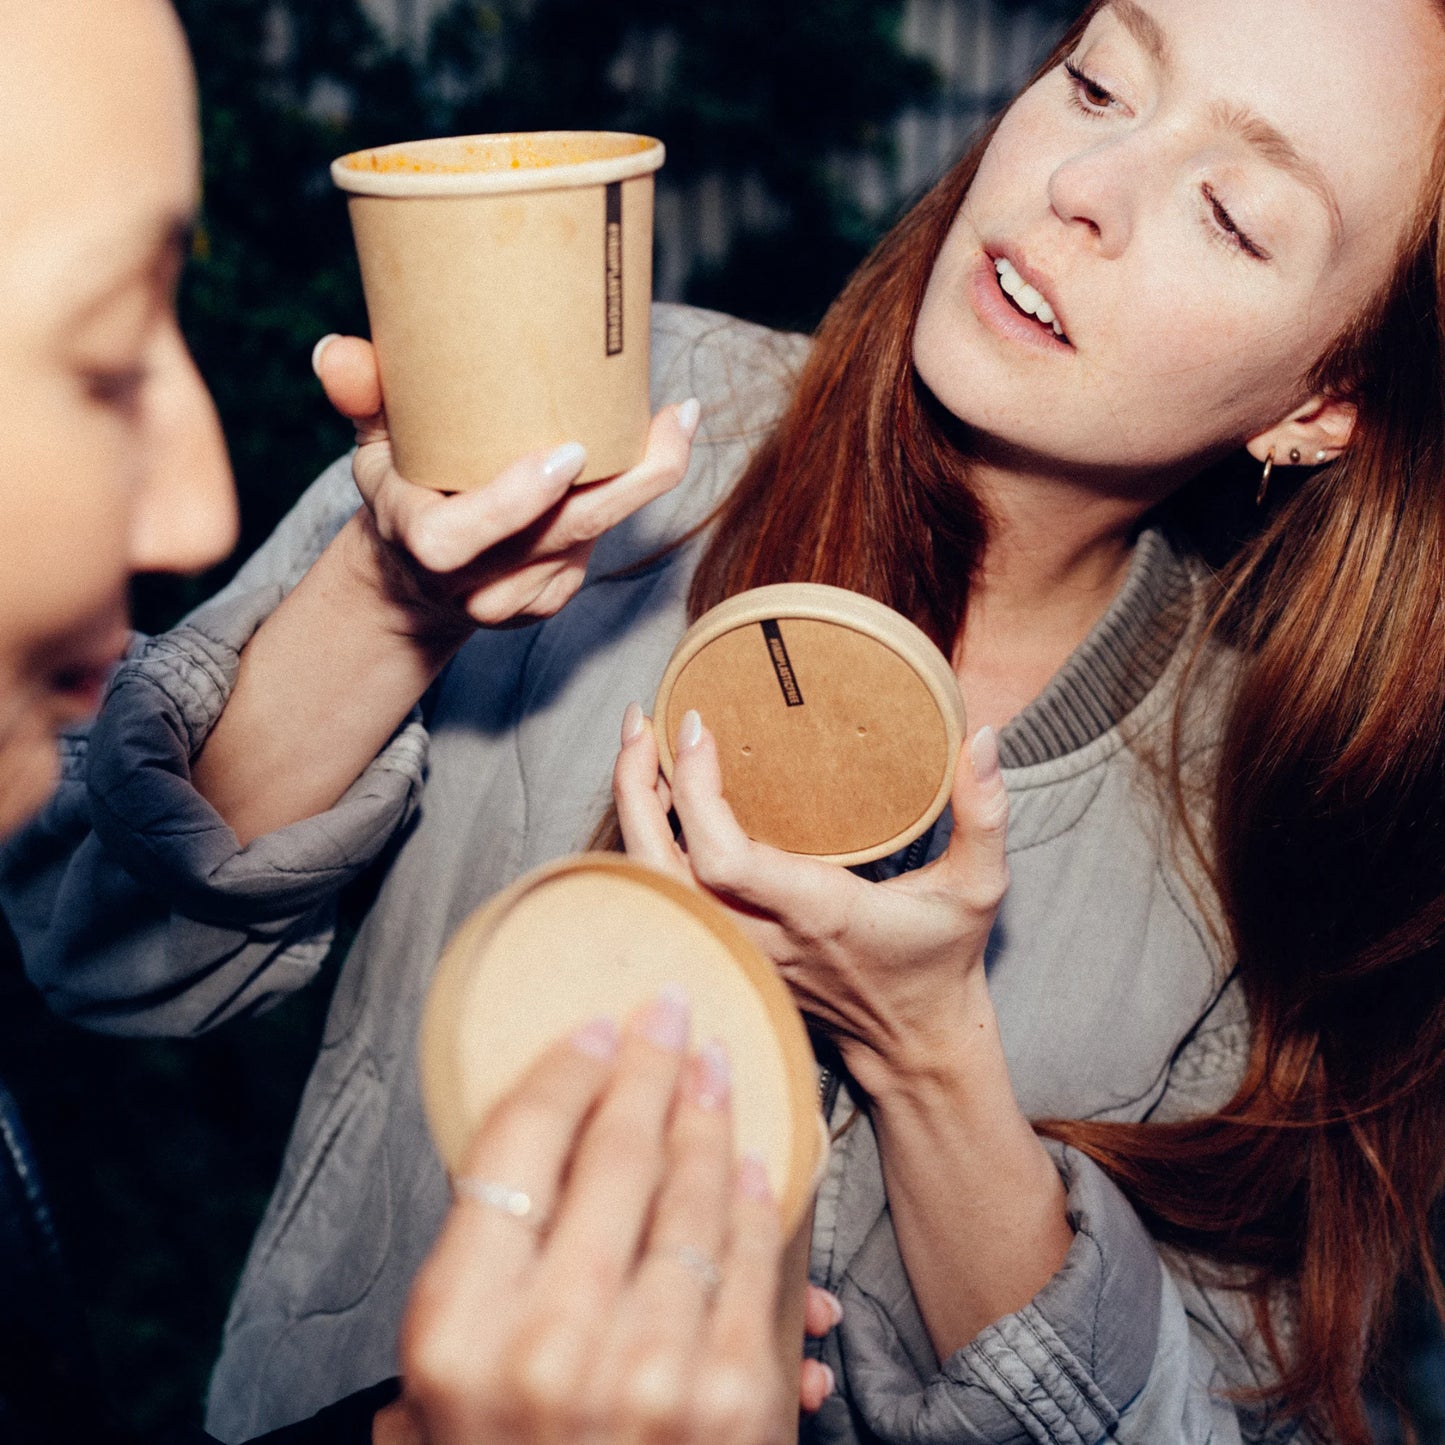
(136, 910)
(1127, 1342)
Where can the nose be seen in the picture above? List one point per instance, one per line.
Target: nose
(185, 517)
(1098, 189)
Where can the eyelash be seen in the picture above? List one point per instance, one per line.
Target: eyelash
(1086, 96)
(1226, 223)
(1090, 99)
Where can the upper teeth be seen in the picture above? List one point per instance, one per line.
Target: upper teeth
(1025, 297)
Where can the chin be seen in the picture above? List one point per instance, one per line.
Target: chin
(29, 771)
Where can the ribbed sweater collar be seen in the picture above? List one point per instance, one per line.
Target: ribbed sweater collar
(1113, 669)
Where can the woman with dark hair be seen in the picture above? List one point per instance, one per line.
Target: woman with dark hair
(114, 463)
(1141, 1157)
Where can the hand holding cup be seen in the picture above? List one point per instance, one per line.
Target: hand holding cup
(510, 552)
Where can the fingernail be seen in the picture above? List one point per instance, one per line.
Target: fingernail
(829, 1376)
(689, 735)
(664, 1021)
(689, 414)
(597, 1039)
(753, 1178)
(984, 751)
(631, 723)
(715, 1076)
(319, 348)
(566, 461)
(835, 1306)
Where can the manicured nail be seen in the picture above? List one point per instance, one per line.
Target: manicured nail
(566, 461)
(631, 723)
(984, 751)
(830, 1377)
(835, 1306)
(689, 735)
(753, 1178)
(664, 1021)
(597, 1039)
(319, 348)
(714, 1078)
(689, 414)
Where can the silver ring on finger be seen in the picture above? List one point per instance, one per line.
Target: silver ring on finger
(504, 1198)
(698, 1263)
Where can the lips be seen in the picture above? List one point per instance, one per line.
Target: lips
(1003, 315)
(77, 683)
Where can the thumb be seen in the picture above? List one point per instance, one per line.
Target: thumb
(975, 857)
(346, 367)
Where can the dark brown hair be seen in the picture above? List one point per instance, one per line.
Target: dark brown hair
(1325, 839)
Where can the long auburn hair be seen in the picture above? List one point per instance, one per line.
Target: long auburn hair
(1324, 845)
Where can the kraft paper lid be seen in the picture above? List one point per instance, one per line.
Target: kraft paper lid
(477, 165)
(596, 935)
(838, 722)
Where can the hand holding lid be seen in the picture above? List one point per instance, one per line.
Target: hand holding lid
(893, 971)
(606, 1271)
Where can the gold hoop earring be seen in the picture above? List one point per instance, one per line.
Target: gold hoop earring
(1264, 480)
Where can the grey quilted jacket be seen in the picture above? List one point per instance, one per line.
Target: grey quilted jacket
(138, 914)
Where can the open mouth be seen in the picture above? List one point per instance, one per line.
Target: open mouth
(1027, 300)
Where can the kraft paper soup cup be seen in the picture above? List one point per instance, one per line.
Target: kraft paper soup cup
(508, 282)
(600, 934)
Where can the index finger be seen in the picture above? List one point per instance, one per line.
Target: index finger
(524, 1146)
(447, 532)
(795, 891)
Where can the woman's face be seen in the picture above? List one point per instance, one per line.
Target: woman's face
(1205, 194)
(112, 457)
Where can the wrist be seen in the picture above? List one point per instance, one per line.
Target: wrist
(384, 588)
(952, 1051)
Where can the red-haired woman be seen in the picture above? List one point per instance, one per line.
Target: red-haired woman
(1209, 232)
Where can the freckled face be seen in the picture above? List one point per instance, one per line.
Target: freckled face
(111, 459)
(1203, 196)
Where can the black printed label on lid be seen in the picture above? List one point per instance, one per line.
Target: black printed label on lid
(782, 663)
(612, 252)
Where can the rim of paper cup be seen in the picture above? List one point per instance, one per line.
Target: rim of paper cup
(569, 175)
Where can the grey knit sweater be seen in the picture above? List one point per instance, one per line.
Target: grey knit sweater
(138, 914)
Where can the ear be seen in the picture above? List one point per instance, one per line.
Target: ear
(1319, 431)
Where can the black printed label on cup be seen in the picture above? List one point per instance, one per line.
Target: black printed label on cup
(612, 252)
(782, 663)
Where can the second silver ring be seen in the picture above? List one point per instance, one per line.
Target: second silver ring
(698, 1263)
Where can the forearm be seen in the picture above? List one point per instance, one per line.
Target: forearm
(976, 1202)
(322, 685)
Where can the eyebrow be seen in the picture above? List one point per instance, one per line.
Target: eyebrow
(1266, 139)
(1277, 148)
(1143, 27)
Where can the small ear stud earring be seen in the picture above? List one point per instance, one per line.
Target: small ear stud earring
(1294, 456)
(1319, 456)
